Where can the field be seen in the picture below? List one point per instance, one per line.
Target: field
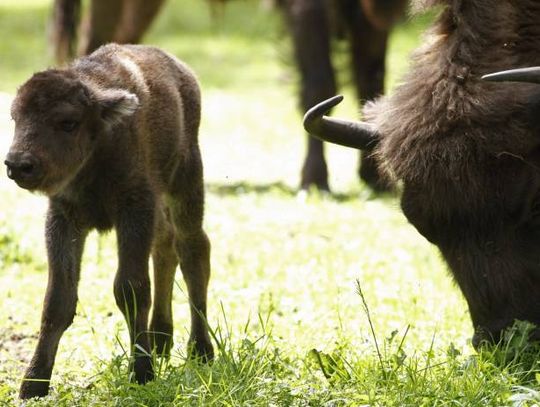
(315, 299)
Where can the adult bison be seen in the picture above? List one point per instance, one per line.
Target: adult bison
(467, 153)
(113, 143)
(121, 21)
(365, 24)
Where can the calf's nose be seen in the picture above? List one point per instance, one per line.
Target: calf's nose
(21, 166)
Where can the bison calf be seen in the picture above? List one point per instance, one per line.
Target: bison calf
(112, 142)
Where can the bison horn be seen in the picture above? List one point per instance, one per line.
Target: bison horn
(346, 133)
(531, 75)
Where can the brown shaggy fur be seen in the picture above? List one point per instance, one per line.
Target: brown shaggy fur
(468, 154)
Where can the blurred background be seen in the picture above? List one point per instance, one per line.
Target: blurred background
(245, 62)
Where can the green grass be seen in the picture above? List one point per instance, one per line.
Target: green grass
(290, 325)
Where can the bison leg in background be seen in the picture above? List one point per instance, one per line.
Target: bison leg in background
(309, 26)
(121, 21)
(137, 16)
(65, 21)
(368, 53)
(65, 244)
(134, 230)
(100, 25)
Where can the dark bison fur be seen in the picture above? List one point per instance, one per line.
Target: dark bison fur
(467, 153)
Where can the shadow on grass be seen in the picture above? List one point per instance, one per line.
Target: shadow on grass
(280, 188)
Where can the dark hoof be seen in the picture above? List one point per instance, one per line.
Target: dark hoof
(201, 350)
(162, 341)
(322, 186)
(144, 372)
(33, 388)
(314, 175)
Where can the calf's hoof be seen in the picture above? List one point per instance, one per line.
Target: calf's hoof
(201, 349)
(144, 372)
(33, 388)
(162, 340)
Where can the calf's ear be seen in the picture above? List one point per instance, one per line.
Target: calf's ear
(116, 105)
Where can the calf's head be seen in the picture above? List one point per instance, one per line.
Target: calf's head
(59, 122)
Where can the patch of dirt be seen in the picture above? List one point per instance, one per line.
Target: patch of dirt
(15, 345)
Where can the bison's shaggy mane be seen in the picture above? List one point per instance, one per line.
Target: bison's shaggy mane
(444, 115)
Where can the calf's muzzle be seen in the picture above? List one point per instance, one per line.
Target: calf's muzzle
(23, 168)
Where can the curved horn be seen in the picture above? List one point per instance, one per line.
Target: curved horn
(347, 133)
(531, 75)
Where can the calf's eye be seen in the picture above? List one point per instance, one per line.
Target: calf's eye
(68, 125)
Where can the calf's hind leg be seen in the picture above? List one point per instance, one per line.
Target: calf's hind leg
(165, 261)
(186, 203)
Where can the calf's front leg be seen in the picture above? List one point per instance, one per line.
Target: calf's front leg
(134, 230)
(65, 244)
